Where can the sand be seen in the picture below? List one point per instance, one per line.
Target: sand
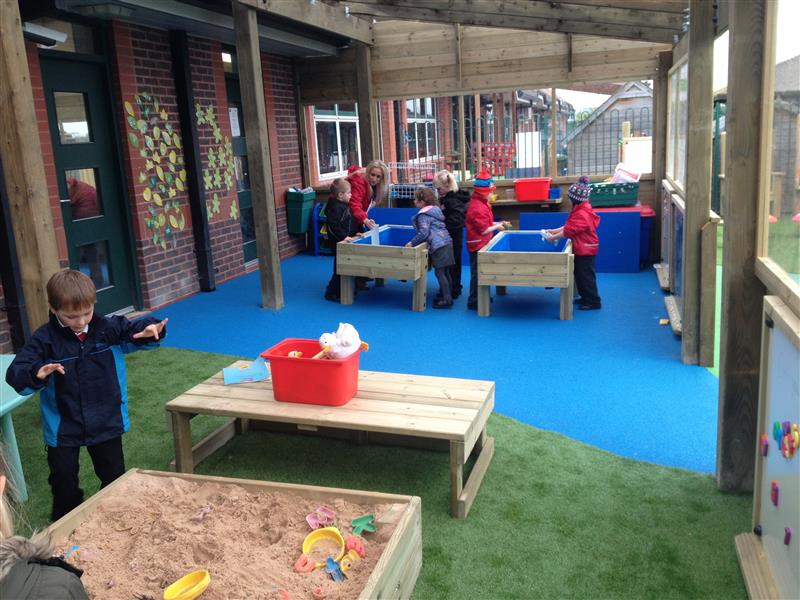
(151, 530)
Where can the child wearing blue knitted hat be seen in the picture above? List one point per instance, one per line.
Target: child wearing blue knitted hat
(581, 228)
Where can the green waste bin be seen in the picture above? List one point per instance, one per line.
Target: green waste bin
(298, 209)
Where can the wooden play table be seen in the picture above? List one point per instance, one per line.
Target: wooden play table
(409, 406)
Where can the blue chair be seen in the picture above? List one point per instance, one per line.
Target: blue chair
(9, 400)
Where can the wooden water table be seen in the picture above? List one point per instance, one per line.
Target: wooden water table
(413, 410)
(523, 258)
(381, 254)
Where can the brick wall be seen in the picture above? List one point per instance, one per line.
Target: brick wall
(284, 143)
(5, 333)
(164, 254)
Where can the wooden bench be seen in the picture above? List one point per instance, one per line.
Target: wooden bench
(409, 406)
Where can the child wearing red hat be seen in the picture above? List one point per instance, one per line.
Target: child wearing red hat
(480, 228)
(581, 228)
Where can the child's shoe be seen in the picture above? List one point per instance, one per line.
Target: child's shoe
(442, 303)
(589, 306)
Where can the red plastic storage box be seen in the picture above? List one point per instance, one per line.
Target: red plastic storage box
(532, 189)
(307, 380)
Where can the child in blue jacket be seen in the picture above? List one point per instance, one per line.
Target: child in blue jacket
(430, 225)
(76, 362)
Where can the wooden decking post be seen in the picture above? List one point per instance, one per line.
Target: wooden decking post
(248, 55)
(23, 169)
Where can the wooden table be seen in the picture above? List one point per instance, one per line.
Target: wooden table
(413, 406)
(382, 255)
(9, 400)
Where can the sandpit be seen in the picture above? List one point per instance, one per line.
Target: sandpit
(148, 529)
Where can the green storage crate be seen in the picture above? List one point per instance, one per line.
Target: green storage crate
(614, 194)
(298, 211)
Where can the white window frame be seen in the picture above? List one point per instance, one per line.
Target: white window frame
(426, 121)
(337, 119)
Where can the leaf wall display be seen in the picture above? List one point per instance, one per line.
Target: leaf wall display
(219, 173)
(164, 174)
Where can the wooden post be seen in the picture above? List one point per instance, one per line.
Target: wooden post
(742, 291)
(367, 113)
(660, 108)
(698, 168)
(21, 157)
(251, 82)
(462, 136)
(553, 134)
(478, 150)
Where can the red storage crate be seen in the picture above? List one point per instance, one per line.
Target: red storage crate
(307, 380)
(532, 189)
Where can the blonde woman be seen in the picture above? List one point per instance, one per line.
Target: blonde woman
(28, 569)
(369, 186)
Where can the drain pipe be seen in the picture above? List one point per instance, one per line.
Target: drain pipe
(179, 44)
(10, 274)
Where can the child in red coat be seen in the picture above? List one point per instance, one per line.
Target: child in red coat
(581, 228)
(480, 228)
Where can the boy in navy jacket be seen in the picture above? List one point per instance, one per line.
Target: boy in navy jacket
(76, 362)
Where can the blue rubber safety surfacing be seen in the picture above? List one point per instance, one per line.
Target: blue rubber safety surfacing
(612, 378)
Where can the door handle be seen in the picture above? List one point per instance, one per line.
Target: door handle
(64, 200)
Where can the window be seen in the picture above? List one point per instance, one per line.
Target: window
(677, 123)
(338, 142)
(421, 135)
(783, 176)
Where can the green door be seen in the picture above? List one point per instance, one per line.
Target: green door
(88, 174)
(241, 168)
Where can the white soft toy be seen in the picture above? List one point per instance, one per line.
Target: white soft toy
(341, 344)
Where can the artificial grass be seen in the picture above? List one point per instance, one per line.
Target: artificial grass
(554, 518)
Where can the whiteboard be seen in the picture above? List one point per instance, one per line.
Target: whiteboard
(780, 402)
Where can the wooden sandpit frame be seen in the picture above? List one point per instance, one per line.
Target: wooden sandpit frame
(520, 268)
(384, 261)
(396, 572)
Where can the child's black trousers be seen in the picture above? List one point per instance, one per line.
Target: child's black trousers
(586, 280)
(108, 461)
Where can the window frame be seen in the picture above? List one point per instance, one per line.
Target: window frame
(673, 122)
(337, 118)
(772, 275)
(426, 118)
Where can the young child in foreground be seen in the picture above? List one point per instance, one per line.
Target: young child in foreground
(76, 362)
(581, 228)
(480, 229)
(28, 568)
(429, 223)
(341, 228)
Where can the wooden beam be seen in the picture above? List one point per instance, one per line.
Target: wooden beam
(553, 145)
(698, 168)
(673, 6)
(477, 128)
(462, 137)
(533, 16)
(367, 111)
(257, 131)
(458, 53)
(317, 14)
(23, 168)
(742, 291)
(660, 108)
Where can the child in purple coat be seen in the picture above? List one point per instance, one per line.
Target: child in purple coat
(430, 225)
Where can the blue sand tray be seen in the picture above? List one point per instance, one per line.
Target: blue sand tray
(619, 235)
(524, 258)
(381, 254)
